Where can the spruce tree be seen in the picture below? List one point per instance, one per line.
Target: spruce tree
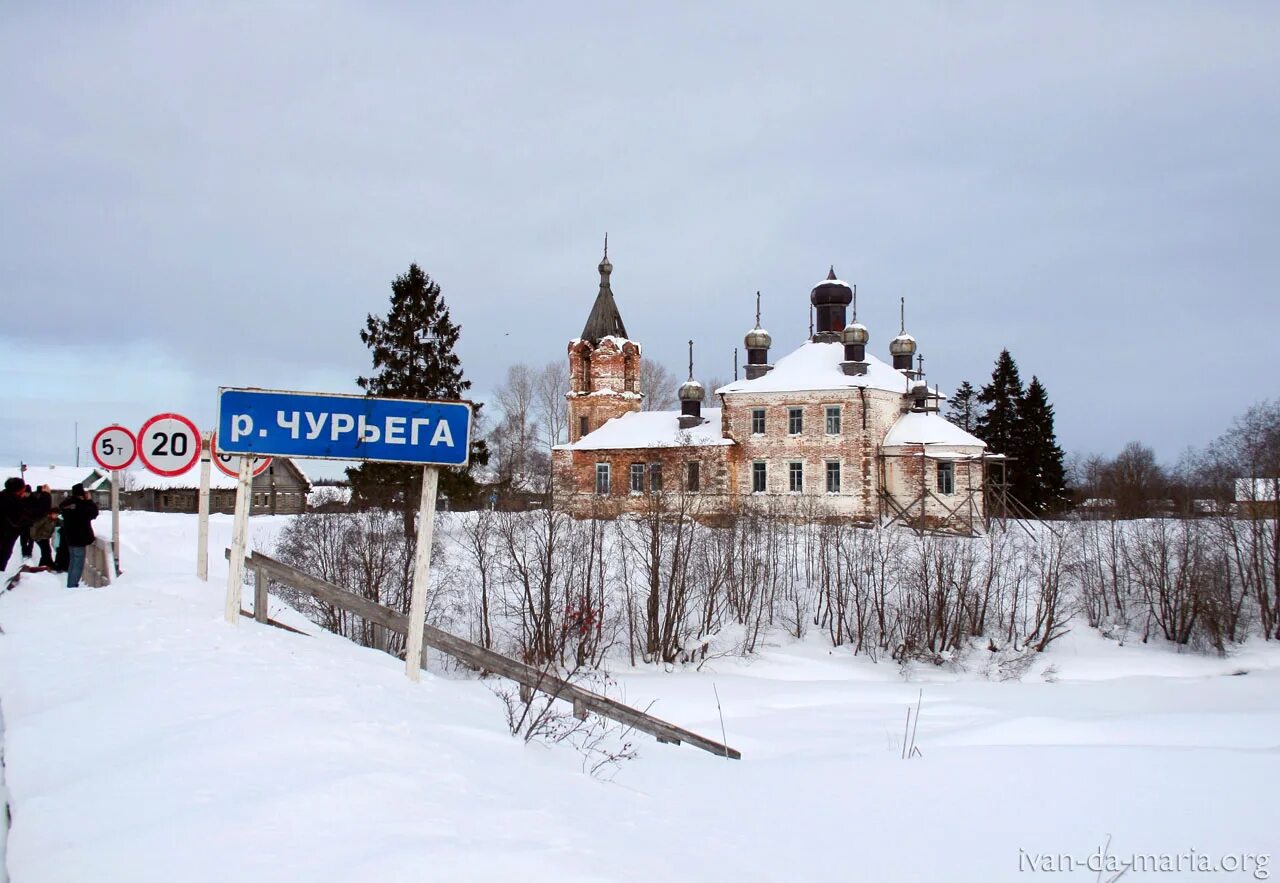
(963, 409)
(413, 358)
(1040, 478)
(998, 423)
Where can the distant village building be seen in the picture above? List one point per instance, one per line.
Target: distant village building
(1256, 497)
(281, 490)
(828, 427)
(61, 479)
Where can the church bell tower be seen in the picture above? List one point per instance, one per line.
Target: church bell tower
(604, 364)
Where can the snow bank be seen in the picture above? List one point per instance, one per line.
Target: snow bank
(148, 740)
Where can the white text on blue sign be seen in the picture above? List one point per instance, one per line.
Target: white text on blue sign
(308, 425)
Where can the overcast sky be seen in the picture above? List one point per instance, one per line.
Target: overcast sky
(208, 194)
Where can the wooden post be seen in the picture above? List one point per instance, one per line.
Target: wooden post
(421, 573)
(259, 594)
(115, 519)
(239, 536)
(202, 535)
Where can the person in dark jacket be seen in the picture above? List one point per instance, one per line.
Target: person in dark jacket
(42, 533)
(12, 512)
(28, 519)
(78, 511)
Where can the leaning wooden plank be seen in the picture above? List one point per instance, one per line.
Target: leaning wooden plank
(489, 660)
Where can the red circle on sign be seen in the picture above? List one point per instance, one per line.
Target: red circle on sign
(258, 467)
(194, 445)
(133, 447)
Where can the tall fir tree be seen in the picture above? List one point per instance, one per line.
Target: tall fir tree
(413, 358)
(963, 409)
(997, 425)
(1043, 487)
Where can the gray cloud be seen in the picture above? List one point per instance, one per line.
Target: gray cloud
(198, 195)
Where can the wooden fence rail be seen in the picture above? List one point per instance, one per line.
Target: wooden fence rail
(265, 569)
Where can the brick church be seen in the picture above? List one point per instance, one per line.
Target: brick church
(827, 428)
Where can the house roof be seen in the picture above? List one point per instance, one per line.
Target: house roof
(815, 366)
(929, 428)
(652, 429)
(146, 480)
(61, 478)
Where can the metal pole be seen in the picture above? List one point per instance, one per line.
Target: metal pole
(115, 519)
(202, 535)
(421, 573)
(239, 535)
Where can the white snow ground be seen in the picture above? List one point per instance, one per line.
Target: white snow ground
(149, 740)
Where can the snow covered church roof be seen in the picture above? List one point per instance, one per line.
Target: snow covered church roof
(929, 428)
(652, 429)
(817, 366)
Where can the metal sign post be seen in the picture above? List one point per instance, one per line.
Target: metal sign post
(202, 530)
(115, 519)
(255, 422)
(114, 448)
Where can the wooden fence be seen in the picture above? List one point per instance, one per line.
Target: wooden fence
(265, 570)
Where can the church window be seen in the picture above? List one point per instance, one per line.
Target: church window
(693, 480)
(833, 476)
(582, 426)
(655, 477)
(795, 473)
(758, 477)
(833, 419)
(602, 479)
(795, 420)
(637, 478)
(757, 421)
(946, 477)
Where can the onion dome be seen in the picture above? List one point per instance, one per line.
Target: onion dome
(855, 334)
(758, 339)
(690, 391)
(903, 345)
(831, 291)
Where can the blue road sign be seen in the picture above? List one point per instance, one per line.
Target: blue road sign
(267, 422)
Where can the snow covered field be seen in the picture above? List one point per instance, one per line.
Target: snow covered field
(148, 740)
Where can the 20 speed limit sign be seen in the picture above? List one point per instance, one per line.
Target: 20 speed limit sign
(114, 447)
(230, 463)
(169, 444)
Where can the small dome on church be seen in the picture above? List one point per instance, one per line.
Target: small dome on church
(831, 291)
(690, 391)
(855, 333)
(903, 345)
(758, 339)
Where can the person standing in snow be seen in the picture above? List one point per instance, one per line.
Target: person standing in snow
(28, 519)
(11, 514)
(36, 504)
(42, 533)
(77, 531)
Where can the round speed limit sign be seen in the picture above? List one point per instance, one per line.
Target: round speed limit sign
(230, 463)
(114, 447)
(169, 444)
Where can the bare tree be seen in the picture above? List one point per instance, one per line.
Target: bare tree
(658, 385)
(1134, 480)
(515, 438)
(550, 383)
